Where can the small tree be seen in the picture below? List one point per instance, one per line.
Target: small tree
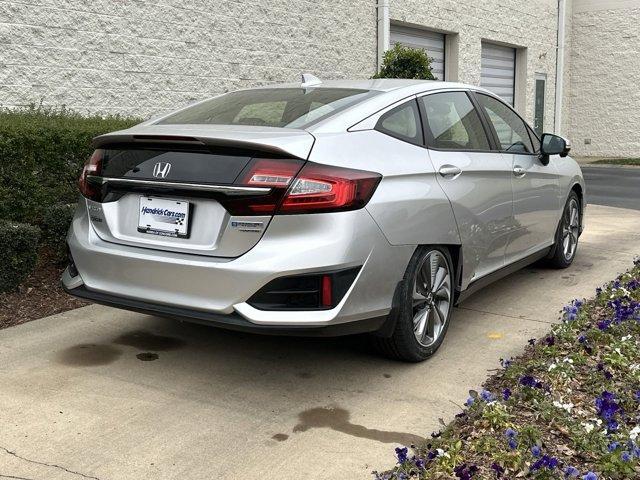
(405, 62)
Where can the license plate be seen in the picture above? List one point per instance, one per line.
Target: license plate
(160, 216)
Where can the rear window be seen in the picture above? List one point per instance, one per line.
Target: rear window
(271, 107)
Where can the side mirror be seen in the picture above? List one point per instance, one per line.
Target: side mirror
(553, 145)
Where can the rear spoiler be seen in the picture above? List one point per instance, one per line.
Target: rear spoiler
(288, 142)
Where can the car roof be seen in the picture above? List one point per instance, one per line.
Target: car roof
(378, 84)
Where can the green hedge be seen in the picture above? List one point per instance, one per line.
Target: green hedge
(42, 152)
(19, 247)
(41, 155)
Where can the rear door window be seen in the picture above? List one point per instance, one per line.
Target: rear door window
(452, 122)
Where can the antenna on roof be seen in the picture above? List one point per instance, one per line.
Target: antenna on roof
(309, 80)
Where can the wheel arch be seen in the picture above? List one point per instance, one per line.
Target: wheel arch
(579, 190)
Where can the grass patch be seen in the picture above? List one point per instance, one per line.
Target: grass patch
(568, 408)
(618, 161)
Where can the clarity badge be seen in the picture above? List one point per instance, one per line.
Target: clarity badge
(247, 226)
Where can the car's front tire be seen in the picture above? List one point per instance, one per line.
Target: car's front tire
(566, 246)
(424, 304)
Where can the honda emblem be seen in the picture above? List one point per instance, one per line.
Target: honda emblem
(161, 169)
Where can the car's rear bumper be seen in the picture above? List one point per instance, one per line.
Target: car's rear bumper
(232, 321)
(215, 290)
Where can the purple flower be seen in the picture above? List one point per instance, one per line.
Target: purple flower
(469, 401)
(401, 453)
(464, 472)
(487, 396)
(550, 340)
(510, 433)
(571, 472)
(545, 462)
(582, 339)
(598, 291)
(590, 476)
(604, 324)
(637, 395)
(506, 394)
(607, 406)
(613, 446)
(633, 284)
(535, 451)
(626, 457)
(420, 463)
(513, 444)
(529, 381)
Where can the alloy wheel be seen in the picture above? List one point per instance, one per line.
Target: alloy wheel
(570, 229)
(431, 298)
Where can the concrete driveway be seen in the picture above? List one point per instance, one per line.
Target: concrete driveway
(107, 394)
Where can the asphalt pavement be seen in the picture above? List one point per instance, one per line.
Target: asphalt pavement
(613, 186)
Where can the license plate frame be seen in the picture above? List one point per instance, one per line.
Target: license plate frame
(165, 217)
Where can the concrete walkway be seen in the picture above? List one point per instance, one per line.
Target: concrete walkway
(82, 394)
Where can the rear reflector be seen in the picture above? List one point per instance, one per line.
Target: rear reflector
(326, 296)
(320, 291)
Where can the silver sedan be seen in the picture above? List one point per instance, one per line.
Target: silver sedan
(323, 208)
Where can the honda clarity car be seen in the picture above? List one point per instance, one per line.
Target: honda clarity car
(323, 208)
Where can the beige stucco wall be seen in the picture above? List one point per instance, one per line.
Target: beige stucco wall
(140, 58)
(531, 25)
(603, 99)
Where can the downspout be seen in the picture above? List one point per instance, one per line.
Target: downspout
(560, 67)
(383, 29)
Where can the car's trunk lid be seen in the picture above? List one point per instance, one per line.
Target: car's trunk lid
(204, 162)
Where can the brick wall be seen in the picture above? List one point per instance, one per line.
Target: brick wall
(531, 24)
(603, 99)
(146, 57)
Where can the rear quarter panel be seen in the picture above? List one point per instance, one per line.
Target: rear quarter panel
(409, 205)
(569, 175)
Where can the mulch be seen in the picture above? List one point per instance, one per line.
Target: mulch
(39, 296)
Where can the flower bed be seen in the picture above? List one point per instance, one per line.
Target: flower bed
(568, 408)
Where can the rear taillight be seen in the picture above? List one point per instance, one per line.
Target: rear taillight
(323, 188)
(274, 174)
(295, 189)
(93, 166)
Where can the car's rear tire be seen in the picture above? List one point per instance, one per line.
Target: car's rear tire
(566, 246)
(424, 303)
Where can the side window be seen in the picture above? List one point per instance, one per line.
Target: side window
(535, 141)
(511, 130)
(452, 123)
(402, 122)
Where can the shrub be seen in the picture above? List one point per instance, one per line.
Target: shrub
(41, 155)
(405, 62)
(54, 225)
(19, 247)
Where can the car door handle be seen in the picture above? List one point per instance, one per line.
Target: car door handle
(449, 171)
(518, 171)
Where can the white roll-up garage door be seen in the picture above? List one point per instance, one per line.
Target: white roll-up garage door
(432, 42)
(498, 70)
